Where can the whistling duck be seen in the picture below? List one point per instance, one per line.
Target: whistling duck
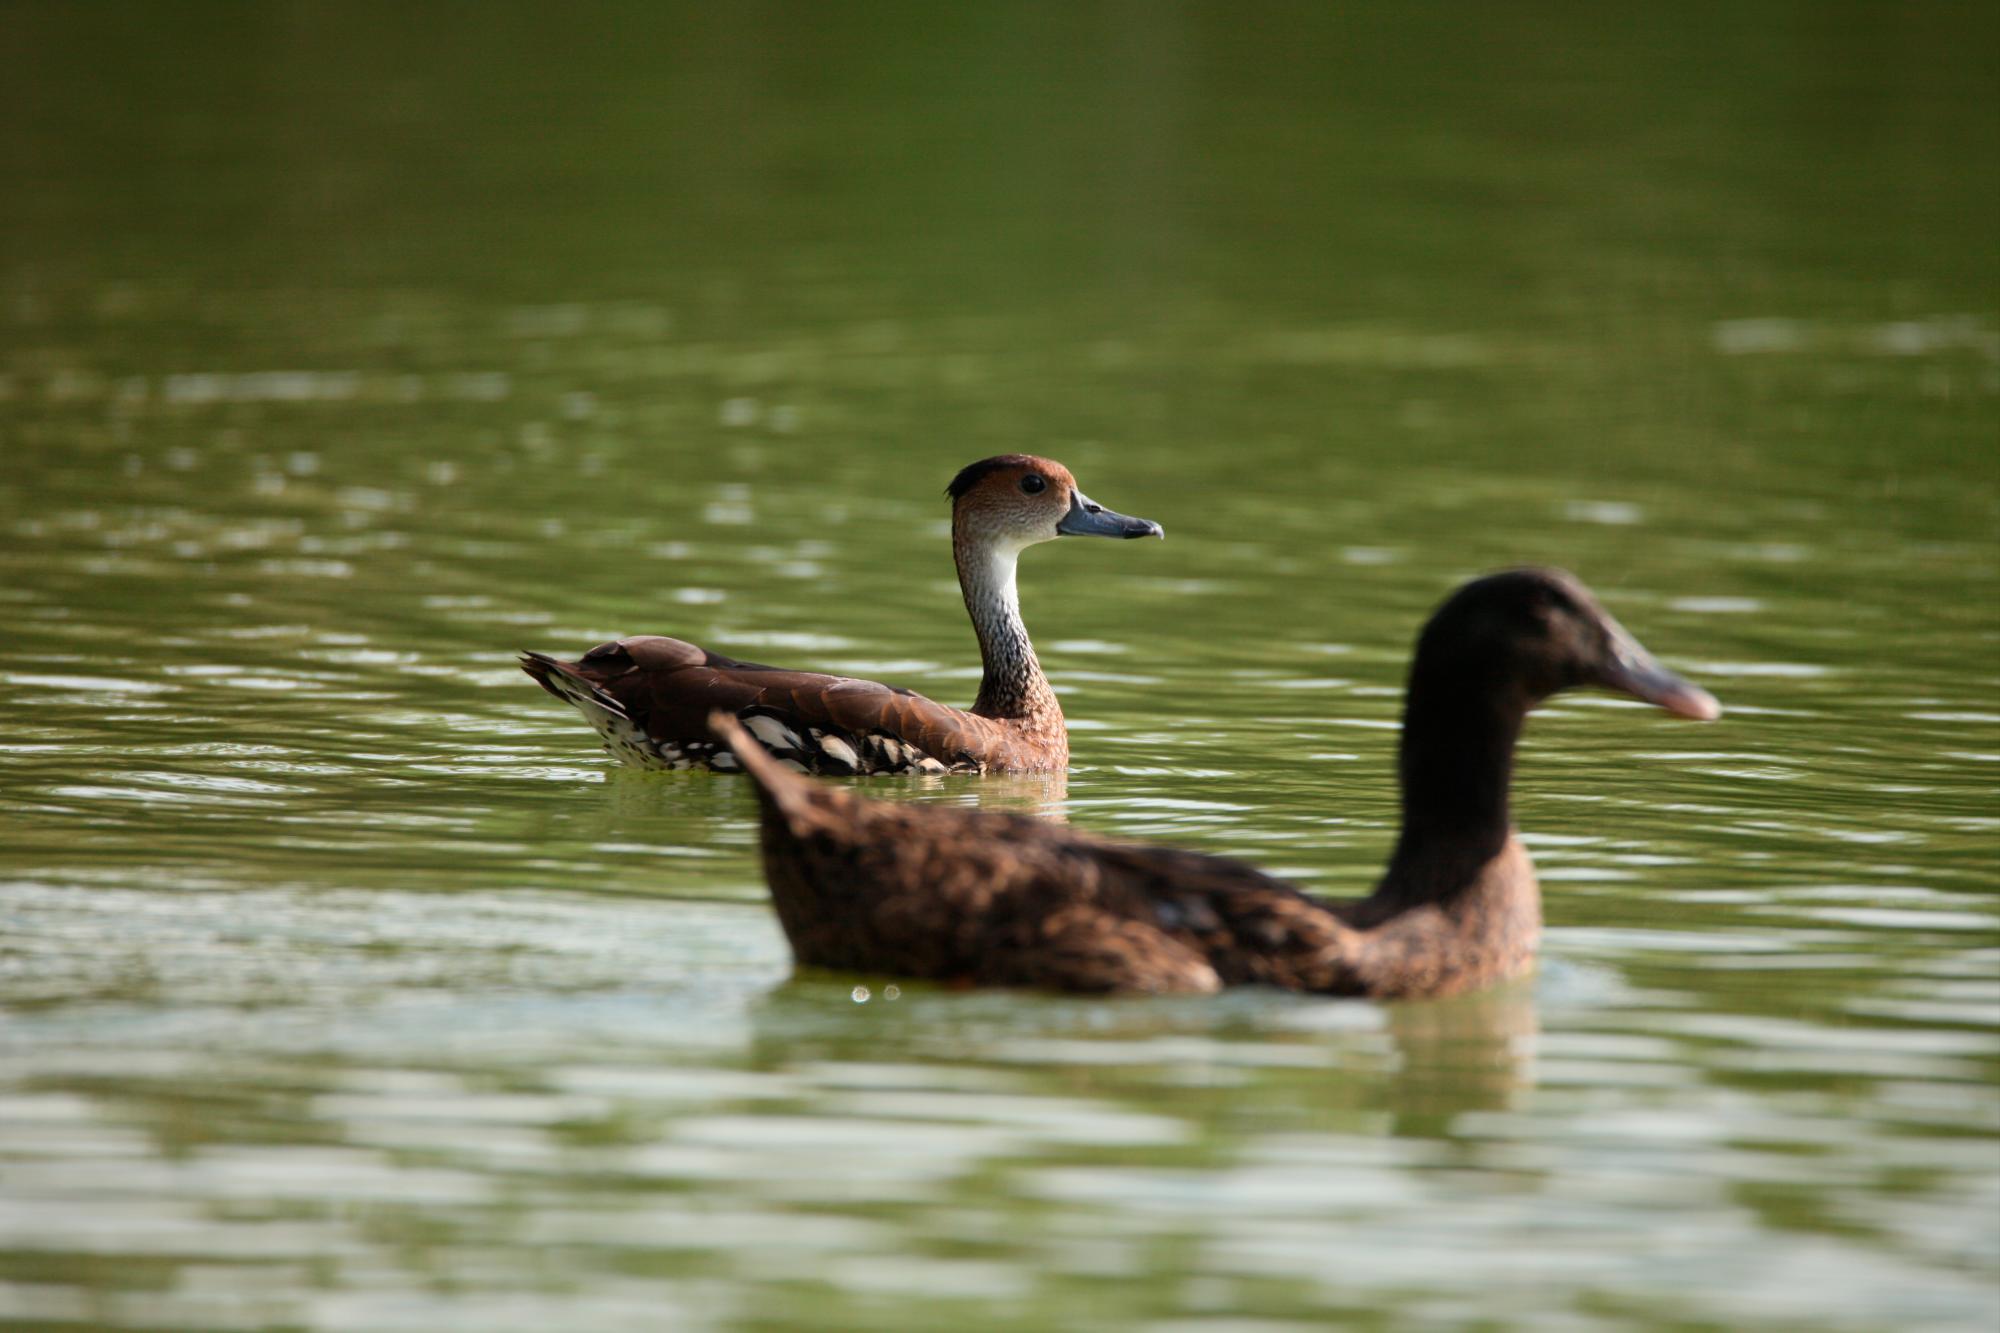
(997, 899)
(650, 697)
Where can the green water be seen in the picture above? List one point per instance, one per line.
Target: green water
(345, 351)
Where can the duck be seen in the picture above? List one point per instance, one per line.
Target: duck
(980, 898)
(649, 697)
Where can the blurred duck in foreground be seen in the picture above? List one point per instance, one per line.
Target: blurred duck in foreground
(1006, 900)
(650, 697)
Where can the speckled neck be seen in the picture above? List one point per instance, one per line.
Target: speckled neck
(1013, 687)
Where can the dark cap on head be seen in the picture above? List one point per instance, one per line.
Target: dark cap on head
(971, 474)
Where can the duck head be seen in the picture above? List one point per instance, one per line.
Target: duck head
(1017, 500)
(1540, 631)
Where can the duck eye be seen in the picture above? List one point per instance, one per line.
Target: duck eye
(1033, 484)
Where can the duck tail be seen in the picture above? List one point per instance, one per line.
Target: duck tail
(565, 682)
(541, 668)
(805, 806)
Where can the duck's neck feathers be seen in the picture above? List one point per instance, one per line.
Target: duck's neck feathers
(1012, 687)
(1456, 765)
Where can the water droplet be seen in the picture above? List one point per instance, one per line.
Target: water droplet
(861, 995)
(892, 992)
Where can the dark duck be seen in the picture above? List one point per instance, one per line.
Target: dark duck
(992, 899)
(650, 697)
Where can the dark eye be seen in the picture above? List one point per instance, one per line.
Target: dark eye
(1033, 484)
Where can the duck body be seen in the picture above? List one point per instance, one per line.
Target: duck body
(969, 897)
(994, 899)
(650, 697)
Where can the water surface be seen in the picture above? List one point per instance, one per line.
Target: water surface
(345, 985)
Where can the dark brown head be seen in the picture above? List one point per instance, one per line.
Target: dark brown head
(1016, 500)
(1533, 632)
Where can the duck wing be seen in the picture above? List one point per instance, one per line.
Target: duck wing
(1250, 927)
(664, 690)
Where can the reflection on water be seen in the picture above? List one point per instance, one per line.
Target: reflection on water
(344, 984)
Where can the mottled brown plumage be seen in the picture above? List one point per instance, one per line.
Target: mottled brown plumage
(650, 697)
(1009, 900)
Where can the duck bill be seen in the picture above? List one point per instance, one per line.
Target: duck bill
(1633, 671)
(1087, 518)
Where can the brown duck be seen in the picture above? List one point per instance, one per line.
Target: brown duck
(1009, 900)
(650, 697)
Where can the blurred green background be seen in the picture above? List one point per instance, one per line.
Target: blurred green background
(345, 350)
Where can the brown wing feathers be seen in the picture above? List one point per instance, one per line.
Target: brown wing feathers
(663, 690)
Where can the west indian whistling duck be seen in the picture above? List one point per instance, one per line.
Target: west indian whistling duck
(1008, 900)
(650, 697)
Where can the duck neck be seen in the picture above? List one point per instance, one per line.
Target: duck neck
(1456, 765)
(1012, 686)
